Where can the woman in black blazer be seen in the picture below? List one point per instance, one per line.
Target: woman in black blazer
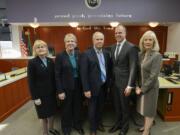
(42, 86)
(68, 85)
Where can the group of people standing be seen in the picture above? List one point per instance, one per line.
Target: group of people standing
(126, 67)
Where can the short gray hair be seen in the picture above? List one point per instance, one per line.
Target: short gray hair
(95, 34)
(70, 35)
(155, 44)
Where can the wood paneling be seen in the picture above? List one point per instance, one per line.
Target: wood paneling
(168, 104)
(54, 35)
(13, 96)
(8, 64)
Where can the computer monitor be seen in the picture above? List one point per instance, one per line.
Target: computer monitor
(176, 66)
(167, 69)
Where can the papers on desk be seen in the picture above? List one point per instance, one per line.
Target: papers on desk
(16, 72)
(173, 79)
(12, 76)
(2, 77)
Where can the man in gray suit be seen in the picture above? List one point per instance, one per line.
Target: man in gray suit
(124, 56)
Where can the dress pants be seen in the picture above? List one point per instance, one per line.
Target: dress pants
(121, 103)
(95, 109)
(71, 110)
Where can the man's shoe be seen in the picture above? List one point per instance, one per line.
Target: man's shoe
(101, 128)
(122, 133)
(80, 131)
(54, 132)
(93, 133)
(67, 131)
(141, 129)
(113, 129)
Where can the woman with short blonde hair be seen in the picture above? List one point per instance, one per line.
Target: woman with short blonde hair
(38, 43)
(42, 86)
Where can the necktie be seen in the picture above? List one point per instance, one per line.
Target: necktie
(102, 66)
(44, 61)
(117, 51)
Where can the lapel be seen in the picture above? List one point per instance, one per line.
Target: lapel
(105, 59)
(141, 56)
(76, 54)
(41, 63)
(48, 63)
(94, 57)
(148, 57)
(122, 52)
(113, 51)
(67, 59)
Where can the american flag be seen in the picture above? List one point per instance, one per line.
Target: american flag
(23, 46)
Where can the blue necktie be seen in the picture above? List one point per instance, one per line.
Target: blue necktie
(102, 66)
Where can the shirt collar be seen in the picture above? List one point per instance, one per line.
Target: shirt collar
(71, 54)
(43, 59)
(122, 42)
(97, 50)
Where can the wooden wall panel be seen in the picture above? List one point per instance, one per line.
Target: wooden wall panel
(169, 112)
(13, 96)
(8, 64)
(54, 35)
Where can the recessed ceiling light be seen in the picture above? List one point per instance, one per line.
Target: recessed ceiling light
(35, 24)
(114, 24)
(73, 24)
(153, 24)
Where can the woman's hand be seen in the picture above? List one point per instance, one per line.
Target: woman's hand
(62, 96)
(138, 90)
(87, 94)
(37, 102)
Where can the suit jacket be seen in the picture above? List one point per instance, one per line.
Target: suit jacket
(125, 65)
(41, 78)
(64, 71)
(91, 72)
(149, 70)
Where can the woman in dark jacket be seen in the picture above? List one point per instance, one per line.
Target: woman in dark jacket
(68, 85)
(42, 86)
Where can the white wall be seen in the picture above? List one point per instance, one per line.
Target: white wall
(12, 50)
(173, 39)
(16, 35)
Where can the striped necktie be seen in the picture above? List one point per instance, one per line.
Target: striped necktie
(117, 51)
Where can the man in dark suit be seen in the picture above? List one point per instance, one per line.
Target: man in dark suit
(95, 74)
(124, 56)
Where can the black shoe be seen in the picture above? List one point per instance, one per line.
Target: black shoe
(124, 130)
(141, 129)
(93, 133)
(53, 132)
(101, 128)
(80, 131)
(122, 133)
(113, 129)
(67, 131)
